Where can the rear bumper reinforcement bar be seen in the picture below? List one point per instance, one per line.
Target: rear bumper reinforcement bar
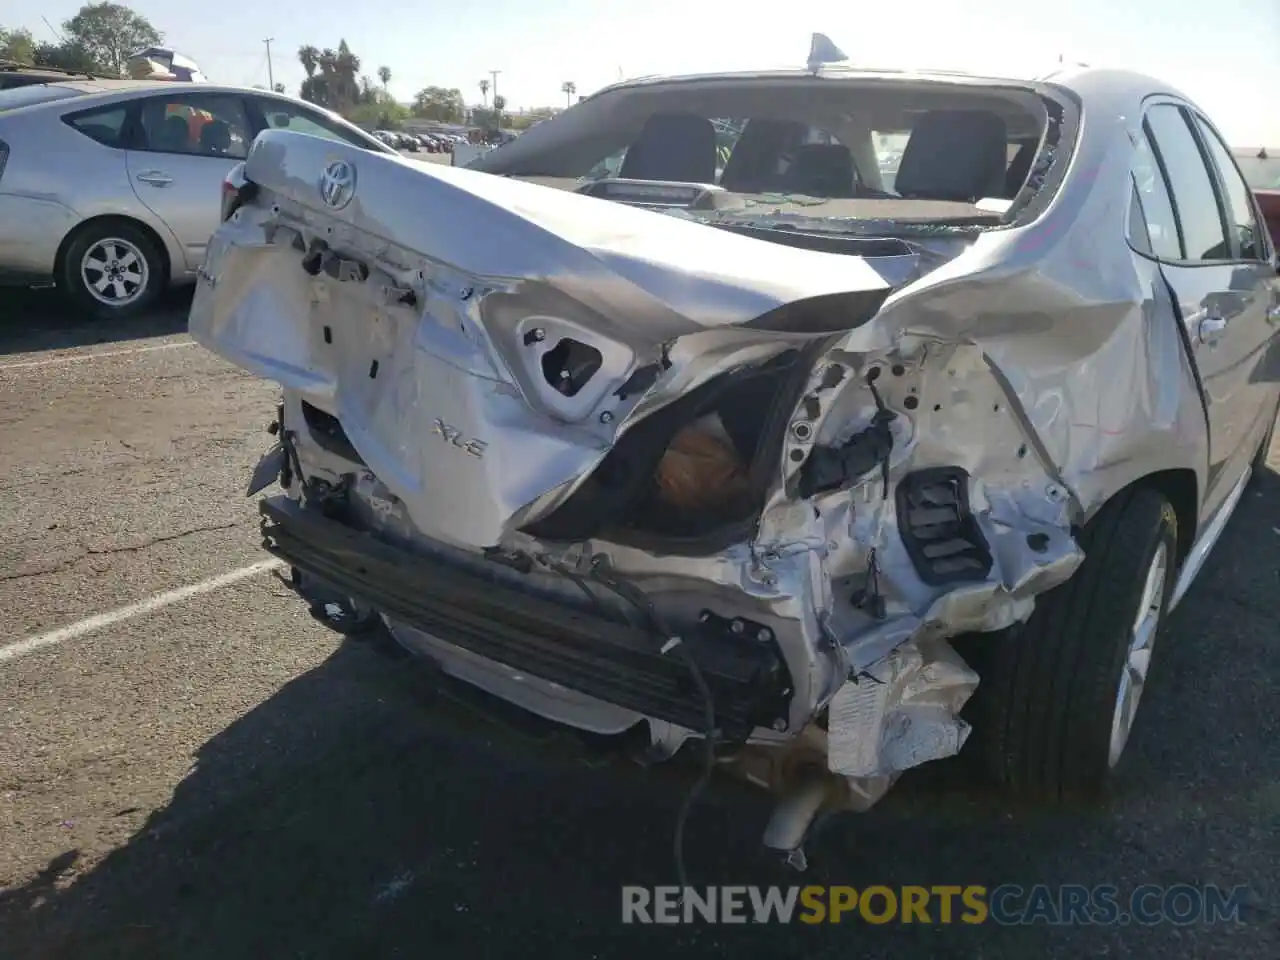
(582, 651)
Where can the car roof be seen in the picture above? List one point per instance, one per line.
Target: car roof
(1081, 78)
(33, 70)
(93, 91)
(1108, 91)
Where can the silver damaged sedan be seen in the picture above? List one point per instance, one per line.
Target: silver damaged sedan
(782, 415)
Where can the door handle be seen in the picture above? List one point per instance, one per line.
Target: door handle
(1211, 329)
(154, 178)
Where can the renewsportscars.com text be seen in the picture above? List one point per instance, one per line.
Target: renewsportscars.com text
(1008, 904)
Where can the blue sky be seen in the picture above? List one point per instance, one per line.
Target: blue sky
(1225, 54)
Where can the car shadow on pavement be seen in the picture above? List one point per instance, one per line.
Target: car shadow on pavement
(357, 813)
(34, 320)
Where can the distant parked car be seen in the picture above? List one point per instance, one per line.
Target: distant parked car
(111, 189)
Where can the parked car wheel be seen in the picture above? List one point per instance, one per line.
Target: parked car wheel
(1058, 697)
(113, 269)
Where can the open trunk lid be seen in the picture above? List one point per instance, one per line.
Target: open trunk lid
(482, 342)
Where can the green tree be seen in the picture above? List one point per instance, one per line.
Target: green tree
(499, 105)
(484, 92)
(381, 114)
(309, 57)
(17, 45)
(67, 56)
(333, 77)
(439, 103)
(568, 88)
(384, 74)
(528, 118)
(109, 33)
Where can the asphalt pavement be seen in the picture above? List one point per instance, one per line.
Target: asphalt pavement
(210, 772)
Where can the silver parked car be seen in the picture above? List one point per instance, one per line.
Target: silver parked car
(110, 188)
(760, 454)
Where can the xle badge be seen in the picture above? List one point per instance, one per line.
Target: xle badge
(454, 436)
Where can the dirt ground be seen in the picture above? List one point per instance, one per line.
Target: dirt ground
(223, 777)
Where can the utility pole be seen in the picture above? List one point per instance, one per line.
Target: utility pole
(494, 74)
(271, 77)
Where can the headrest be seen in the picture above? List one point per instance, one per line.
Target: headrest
(216, 135)
(679, 147)
(958, 155)
(823, 169)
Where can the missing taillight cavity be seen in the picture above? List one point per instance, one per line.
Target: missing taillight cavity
(569, 365)
(692, 471)
(235, 195)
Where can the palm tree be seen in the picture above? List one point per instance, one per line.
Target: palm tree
(384, 74)
(484, 92)
(309, 57)
(568, 88)
(347, 66)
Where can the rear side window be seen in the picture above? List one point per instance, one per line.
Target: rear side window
(106, 126)
(1240, 215)
(1194, 199)
(282, 115)
(1139, 236)
(1152, 193)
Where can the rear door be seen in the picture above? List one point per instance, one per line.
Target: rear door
(1220, 293)
(1257, 330)
(183, 146)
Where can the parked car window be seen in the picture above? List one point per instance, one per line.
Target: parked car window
(203, 125)
(1240, 211)
(280, 115)
(1194, 198)
(105, 125)
(1161, 225)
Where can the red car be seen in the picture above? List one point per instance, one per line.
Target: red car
(1269, 201)
(1262, 172)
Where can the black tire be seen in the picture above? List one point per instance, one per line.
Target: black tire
(1043, 711)
(142, 269)
(1260, 458)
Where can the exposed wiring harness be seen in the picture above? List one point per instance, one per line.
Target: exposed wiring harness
(869, 598)
(627, 591)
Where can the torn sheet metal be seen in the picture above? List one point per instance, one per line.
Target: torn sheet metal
(901, 713)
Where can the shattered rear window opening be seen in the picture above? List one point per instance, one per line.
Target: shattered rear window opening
(834, 155)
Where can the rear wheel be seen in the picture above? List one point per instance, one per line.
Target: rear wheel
(1056, 705)
(113, 269)
(1260, 458)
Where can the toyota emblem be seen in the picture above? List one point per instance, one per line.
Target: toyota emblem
(338, 184)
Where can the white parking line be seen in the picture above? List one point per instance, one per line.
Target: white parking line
(102, 354)
(20, 648)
